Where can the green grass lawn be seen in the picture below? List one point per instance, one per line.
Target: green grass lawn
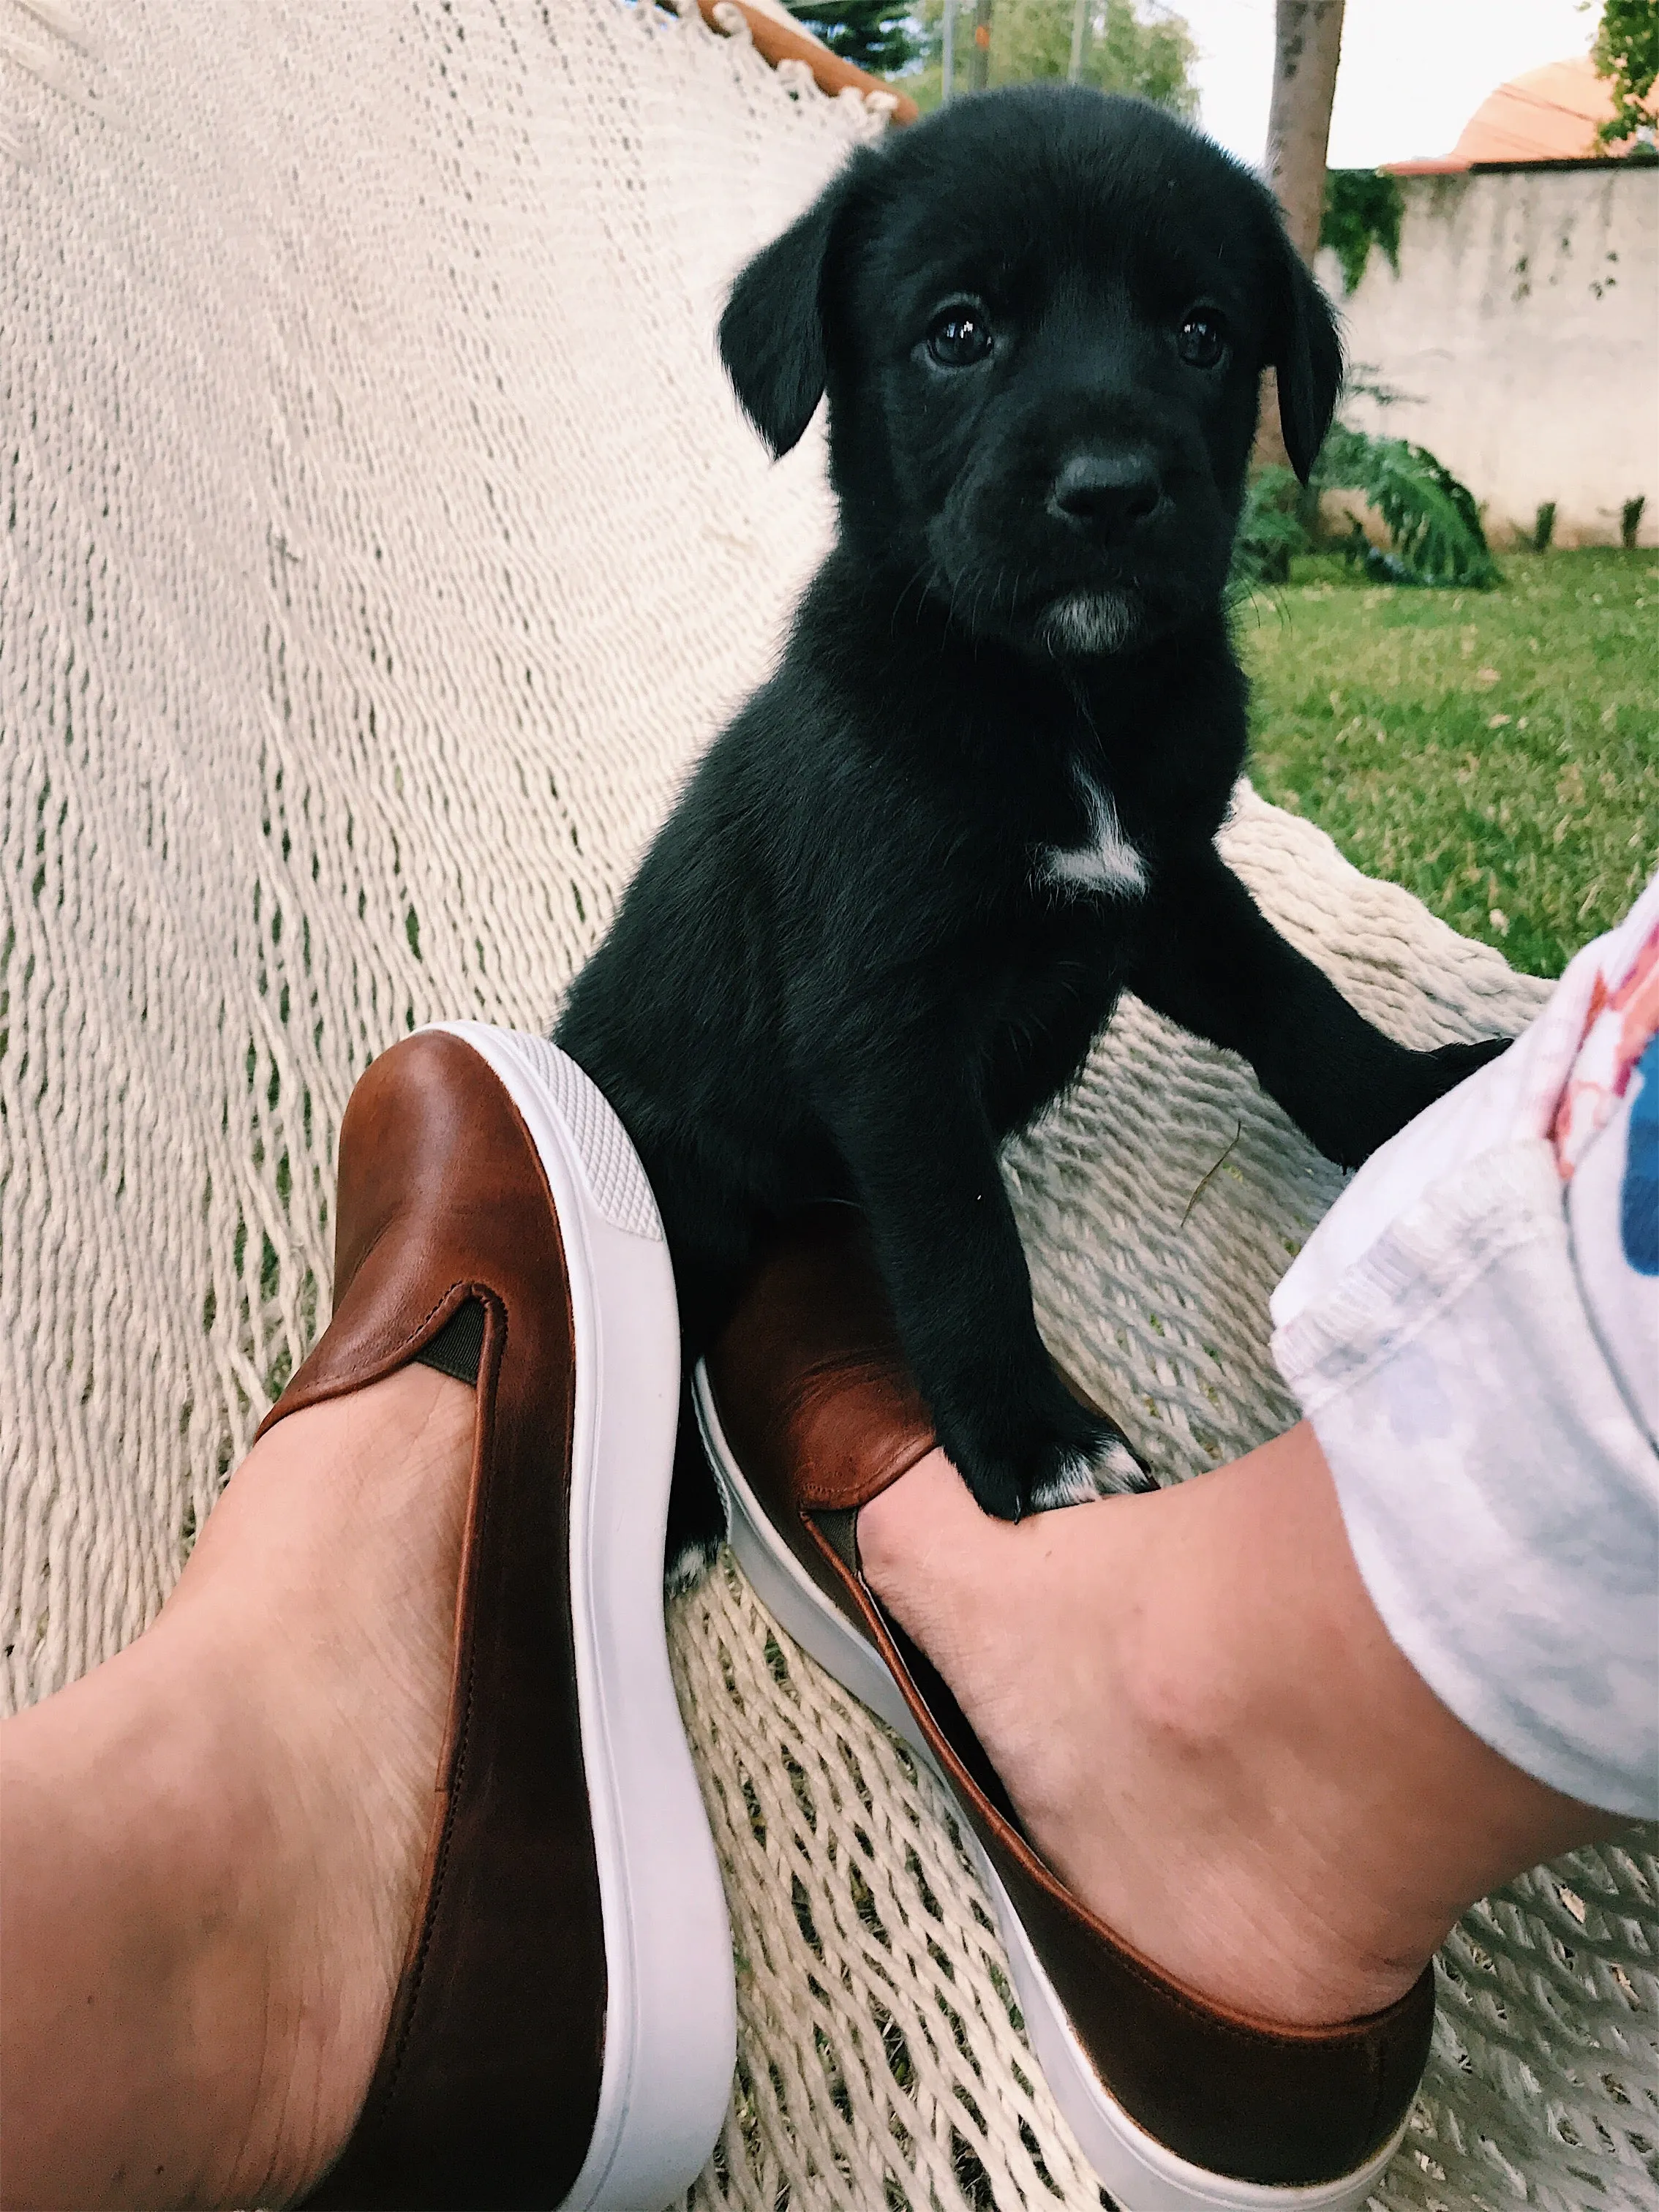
(1496, 752)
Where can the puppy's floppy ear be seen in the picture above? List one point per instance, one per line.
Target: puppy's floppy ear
(1306, 353)
(772, 334)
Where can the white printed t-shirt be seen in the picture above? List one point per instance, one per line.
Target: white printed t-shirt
(1473, 1331)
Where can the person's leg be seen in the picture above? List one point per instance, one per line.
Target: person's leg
(1278, 1725)
(213, 1843)
(1207, 1731)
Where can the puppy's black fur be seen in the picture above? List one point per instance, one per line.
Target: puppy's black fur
(903, 889)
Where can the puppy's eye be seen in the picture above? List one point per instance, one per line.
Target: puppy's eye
(1202, 339)
(959, 336)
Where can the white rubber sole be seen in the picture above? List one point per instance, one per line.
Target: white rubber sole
(671, 2026)
(1137, 2171)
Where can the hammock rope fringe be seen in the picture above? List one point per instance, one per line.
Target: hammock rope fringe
(379, 542)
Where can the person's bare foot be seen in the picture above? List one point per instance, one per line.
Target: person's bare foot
(1207, 1731)
(256, 1774)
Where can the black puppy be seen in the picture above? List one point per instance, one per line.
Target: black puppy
(903, 889)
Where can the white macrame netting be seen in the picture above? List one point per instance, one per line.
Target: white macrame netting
(378, 542)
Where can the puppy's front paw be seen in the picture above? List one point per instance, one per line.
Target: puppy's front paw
(696, 1519)
(1398, 1088)
(1449, 1064)
(1108, 1469)
(1430, 1075)
(1058, 1453)
(687, 1568)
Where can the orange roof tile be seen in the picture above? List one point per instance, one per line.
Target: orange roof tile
(1548, 114)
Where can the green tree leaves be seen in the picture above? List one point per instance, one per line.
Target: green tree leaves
(1363, 208)
(1627, 54)
(1126, 50)
(877, 35)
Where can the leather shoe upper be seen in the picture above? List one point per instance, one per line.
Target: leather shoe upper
(488, 2084)
(815, 1402)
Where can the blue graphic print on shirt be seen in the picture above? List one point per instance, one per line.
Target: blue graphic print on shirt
(1638, 1205)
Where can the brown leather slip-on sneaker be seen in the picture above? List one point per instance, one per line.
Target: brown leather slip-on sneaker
(807, 1414)
(563, 2033)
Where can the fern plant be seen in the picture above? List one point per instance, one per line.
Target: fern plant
(1432, 519)
(1433, 523)
(1270, 530)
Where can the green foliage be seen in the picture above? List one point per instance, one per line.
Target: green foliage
(877, 35)
(1627, 54)
(1543, 526)
(1374, 564)
(1125, 50)
(1362, 207)
(1629, 521)
(1271, 532)
(1432, 519)
(1496, 753)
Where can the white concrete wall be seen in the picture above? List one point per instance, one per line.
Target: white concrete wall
(1524, 323)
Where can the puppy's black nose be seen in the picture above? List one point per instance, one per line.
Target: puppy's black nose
(1107, 494)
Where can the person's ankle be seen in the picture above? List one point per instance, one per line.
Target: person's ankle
(245, 2034)
(357, 1768)
(1207, 1731)
(220, 1831)
(334, 1719)
(165, 1753)
(925, 1550)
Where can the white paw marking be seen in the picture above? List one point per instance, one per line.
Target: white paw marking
(688, 1568)
(1107, 1473)
(1107, 861)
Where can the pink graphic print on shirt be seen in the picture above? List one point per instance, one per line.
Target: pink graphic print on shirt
(1621, 1023)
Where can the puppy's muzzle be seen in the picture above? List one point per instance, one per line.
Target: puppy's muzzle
(1107, 497)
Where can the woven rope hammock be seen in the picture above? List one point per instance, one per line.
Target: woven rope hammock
(378, 542)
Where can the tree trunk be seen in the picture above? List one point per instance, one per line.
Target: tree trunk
(979, 60)
(1080, 40)
(1308, 44)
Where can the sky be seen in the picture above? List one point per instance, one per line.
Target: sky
(1413, 71)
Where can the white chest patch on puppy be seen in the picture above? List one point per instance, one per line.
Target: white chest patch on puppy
(1107, 861)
